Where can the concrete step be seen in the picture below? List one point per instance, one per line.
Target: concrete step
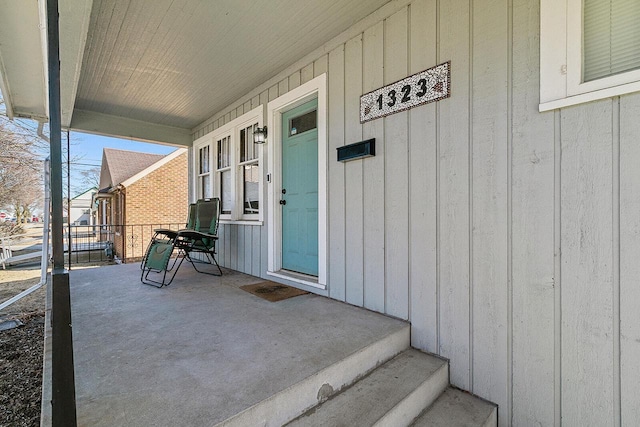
(392, 395)
(457, 408)
(288, 404)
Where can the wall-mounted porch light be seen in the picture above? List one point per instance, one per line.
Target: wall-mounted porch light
(260, 135)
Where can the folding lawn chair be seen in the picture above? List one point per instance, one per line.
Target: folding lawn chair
(166, 235)
(201, 238)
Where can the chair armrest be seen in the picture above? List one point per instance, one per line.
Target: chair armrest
(196, 235)
(165, 232)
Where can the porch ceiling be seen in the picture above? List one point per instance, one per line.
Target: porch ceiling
(159, 67)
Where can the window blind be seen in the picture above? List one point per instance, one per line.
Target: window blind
(610, 38)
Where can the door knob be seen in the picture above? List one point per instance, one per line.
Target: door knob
(283, 202)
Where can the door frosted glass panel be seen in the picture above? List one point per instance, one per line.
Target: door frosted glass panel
(303, 123)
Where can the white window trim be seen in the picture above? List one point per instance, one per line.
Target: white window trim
(232, 128)
(316, 88)
(561, 67)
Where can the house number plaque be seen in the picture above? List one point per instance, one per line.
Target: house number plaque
(426, 86)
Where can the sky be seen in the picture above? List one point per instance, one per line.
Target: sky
(86, 150)
(89, 147)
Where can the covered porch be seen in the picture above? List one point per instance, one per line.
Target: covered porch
(502, 222)
(203, 351)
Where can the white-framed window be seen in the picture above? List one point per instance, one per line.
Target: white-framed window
(203, 180)
(223, 174)
(589, 50)
(228, 165)
(249, 171)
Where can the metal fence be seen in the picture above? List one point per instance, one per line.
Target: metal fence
(97, 243)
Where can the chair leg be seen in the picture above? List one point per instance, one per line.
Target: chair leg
(157, 260)
(213, 257)
(147, 281)
(144, 278)
(209, 256)
(174, 262)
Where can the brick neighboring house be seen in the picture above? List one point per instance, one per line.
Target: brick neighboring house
(140, 192)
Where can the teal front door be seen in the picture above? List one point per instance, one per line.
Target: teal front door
(299, 195)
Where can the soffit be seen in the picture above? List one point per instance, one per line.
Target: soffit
(177, 62)
(23, 55)
(22, 76)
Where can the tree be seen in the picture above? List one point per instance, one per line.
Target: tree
(27, 198)
(21, 185)
(89, 178)
(20, 166)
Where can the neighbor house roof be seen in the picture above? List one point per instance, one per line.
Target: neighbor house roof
(123, 167)
(86, 192)
(120, 165)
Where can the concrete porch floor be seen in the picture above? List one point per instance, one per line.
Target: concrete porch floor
(201, 350)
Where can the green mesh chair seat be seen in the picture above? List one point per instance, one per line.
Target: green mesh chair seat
(159, 255)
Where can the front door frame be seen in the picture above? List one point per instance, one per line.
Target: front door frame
(316, 88)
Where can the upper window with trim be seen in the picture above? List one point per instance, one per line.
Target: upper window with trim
(589, 50)
(228, 166)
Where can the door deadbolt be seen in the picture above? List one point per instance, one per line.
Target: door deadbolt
(284, 191)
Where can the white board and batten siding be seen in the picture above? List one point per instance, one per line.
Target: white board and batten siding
(509, 238)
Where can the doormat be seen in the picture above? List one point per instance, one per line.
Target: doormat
(272, 291)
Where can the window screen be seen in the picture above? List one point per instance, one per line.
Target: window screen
(226, 196)
(611, 37)
(223, 174)
(204, 187)
(251, 178)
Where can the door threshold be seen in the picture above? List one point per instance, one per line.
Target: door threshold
(301, 278)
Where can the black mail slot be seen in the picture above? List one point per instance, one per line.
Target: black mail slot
(358, 150)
